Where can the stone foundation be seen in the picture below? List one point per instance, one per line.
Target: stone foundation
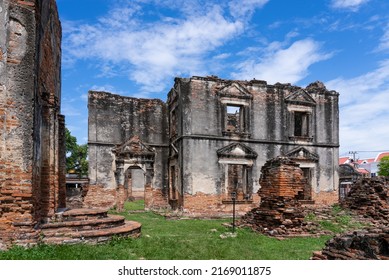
(98, 196)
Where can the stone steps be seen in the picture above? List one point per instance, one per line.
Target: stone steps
(128, 229)
(83, 214)
(87, 226)
(79, 225)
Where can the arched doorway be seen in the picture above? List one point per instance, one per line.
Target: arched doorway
(134, 171)
(134, 182)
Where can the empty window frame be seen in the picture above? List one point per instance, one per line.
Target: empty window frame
(234, 118)
(301, 124)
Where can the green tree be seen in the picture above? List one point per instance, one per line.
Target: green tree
(76, 155)
(383, 167)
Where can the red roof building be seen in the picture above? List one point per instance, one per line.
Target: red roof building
(380, 156)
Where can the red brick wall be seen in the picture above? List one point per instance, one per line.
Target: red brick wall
(202, 204)
(155, 198)
(281, 177)
(29, 141)
(325, 198)
(98, 196)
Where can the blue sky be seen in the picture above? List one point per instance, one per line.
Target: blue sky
(137, 47)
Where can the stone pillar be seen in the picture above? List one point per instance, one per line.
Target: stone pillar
(17, 80)
(30, 36)
(50, 157)
(61, 162)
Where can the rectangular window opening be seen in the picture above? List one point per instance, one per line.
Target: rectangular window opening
(301, 124)
(234, 118)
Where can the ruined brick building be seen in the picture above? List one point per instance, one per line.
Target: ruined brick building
(32, 147)
(209, 140)
(32, 136)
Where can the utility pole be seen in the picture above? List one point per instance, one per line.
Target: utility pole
(353, 153)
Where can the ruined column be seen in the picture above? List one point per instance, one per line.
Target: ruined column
(30, 36)
(62, 162)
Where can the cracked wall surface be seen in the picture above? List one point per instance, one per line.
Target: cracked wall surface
(213, 137)
(113, 120)
(31, 150)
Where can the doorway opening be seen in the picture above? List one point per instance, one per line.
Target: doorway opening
(307, 193)
(238, 182)
(134, 182)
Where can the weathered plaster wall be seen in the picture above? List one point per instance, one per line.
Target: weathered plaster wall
(192, 128)
(199, 103)
(30, 52)
(114, 119)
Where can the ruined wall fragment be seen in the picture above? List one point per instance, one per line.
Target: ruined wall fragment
(212, 127)
(113, 120)
(30, 50)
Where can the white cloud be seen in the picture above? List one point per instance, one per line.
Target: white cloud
(280, 64)
(222, 56)
(106, 88)
(348, 4)
(84, 97)
(384, 41)
(245, 8)
(359, 89)
(364, 117)
(153, 53)
(69, 110)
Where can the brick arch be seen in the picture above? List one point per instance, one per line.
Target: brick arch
(129, 155)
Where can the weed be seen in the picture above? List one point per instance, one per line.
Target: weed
(336, 209)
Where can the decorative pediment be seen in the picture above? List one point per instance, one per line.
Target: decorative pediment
(234, 89)
(302, 154)
(300, 97)
(237, 150)
(133, 148)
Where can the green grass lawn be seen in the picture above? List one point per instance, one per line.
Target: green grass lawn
(164, 239)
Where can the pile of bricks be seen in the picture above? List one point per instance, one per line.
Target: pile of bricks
(369, 244)
(282, 183)
(370, 199)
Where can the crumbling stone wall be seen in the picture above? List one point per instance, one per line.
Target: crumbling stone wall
(113, 120)
(212, 137)
(30, 120)
(268, 115)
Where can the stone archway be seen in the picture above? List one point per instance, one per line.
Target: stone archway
(132, 155)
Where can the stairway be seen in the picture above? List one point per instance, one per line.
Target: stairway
(84, 225)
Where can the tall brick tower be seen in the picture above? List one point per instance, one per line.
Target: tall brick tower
(32, 147)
